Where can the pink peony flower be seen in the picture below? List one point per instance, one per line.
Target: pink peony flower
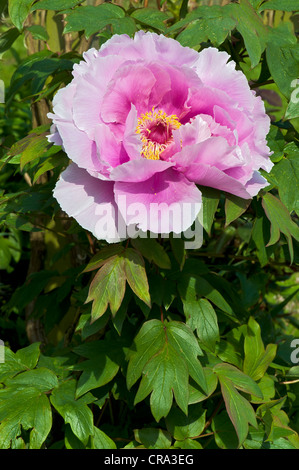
(144, 121)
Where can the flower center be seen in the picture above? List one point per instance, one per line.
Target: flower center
(155, 129)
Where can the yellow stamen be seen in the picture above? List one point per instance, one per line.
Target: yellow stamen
(150, 148)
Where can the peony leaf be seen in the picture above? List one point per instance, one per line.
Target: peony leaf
(257, 359)
(290, 5)
(234, 207)
(18, 11)
(281, 221)
(285, 175)
(165, 354)
(108, 287)
(282, 55)
(136, 275)
(240, 380)
(92, 19)
(153, 251)
(252, 28)
(151, 17)
(210, 201)
(202, 317)
(153, 438)
(75, 412)
(183, 427)
(8, 38)
(238, 408)
(102, 364)
(55, 4)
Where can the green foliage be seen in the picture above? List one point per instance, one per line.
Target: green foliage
(143, 343)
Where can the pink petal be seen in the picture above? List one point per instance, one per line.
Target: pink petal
(210, 176)
(256, 183)
(139, 170)
(90, 90)
(166, 202)
(216, 70)
(131, 140)
(110, 152)
(89, 200)
(75, 142)
(132, 84)
(214, 151)
(150, 47)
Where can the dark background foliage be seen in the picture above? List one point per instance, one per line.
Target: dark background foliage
(198, 349)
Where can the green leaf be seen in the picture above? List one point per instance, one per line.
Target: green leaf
(18, 11)
(234, 207)
(183, 427)
(75, 412)
(165, 375)
(257, 440)
(41, 379)
(100, 368)
(34, 149)
(93, 19)
(23, 403)
(282, 55)
(153, 251)
(181, 337)
(251, 27)
(38, 32)
(151, 17)
(192, 288)
(187, 444)
(202, 317)
(100, 440)
(196, 393)
(178, 249)
(210, 201)
(257, 359)
(55, 4)
(292, 111)
(240, 380)
(164, 354)
(238, 408)
(108, 287)
(153, 438)
(276, 424)
(51, 161)
(24, 359)
(280, 221)
(285, 175)
(260, 236)
(214, 29)
(136, 275)
(224, 431)
(147, 343)
(289, 5)
(8, 38)
(102, 256)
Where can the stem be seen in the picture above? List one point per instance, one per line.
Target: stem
(212, 416)
(162, 316)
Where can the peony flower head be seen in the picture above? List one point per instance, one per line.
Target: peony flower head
(144, 121)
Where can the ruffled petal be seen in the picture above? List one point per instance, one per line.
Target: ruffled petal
(90, 90)
(139, 170)
(90, 201)
(166, 202)
(130, 85)
(150, 47)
